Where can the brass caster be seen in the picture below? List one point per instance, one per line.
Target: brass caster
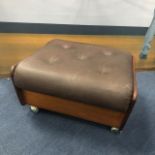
(34, 109)
(115, 130)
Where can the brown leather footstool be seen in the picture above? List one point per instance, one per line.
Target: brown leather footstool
(91, 82)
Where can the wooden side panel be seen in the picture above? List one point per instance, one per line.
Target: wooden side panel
(15, 47)
(80, 110)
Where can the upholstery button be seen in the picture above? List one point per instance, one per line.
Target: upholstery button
(66, 46)
(127, 86)
(107, 53)
(53, 60)
(104, 70)
(82, 57)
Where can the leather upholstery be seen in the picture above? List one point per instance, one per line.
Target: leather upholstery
(87, 73)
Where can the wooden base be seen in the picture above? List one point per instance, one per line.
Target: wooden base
(85, 111)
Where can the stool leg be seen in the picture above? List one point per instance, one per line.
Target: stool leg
(34, 109)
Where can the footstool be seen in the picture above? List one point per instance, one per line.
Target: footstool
(91, 82)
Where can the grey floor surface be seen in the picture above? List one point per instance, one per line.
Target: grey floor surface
(47, 133)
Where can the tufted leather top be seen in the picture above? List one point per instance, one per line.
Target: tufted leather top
(87, 73)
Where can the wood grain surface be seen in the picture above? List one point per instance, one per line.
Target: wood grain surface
(15, 47)
(85, 111)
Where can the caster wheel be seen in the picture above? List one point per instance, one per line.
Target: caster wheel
(115, 130)
(34, 109)
(8, 79)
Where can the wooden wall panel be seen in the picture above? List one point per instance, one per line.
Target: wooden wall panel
(15, 47)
